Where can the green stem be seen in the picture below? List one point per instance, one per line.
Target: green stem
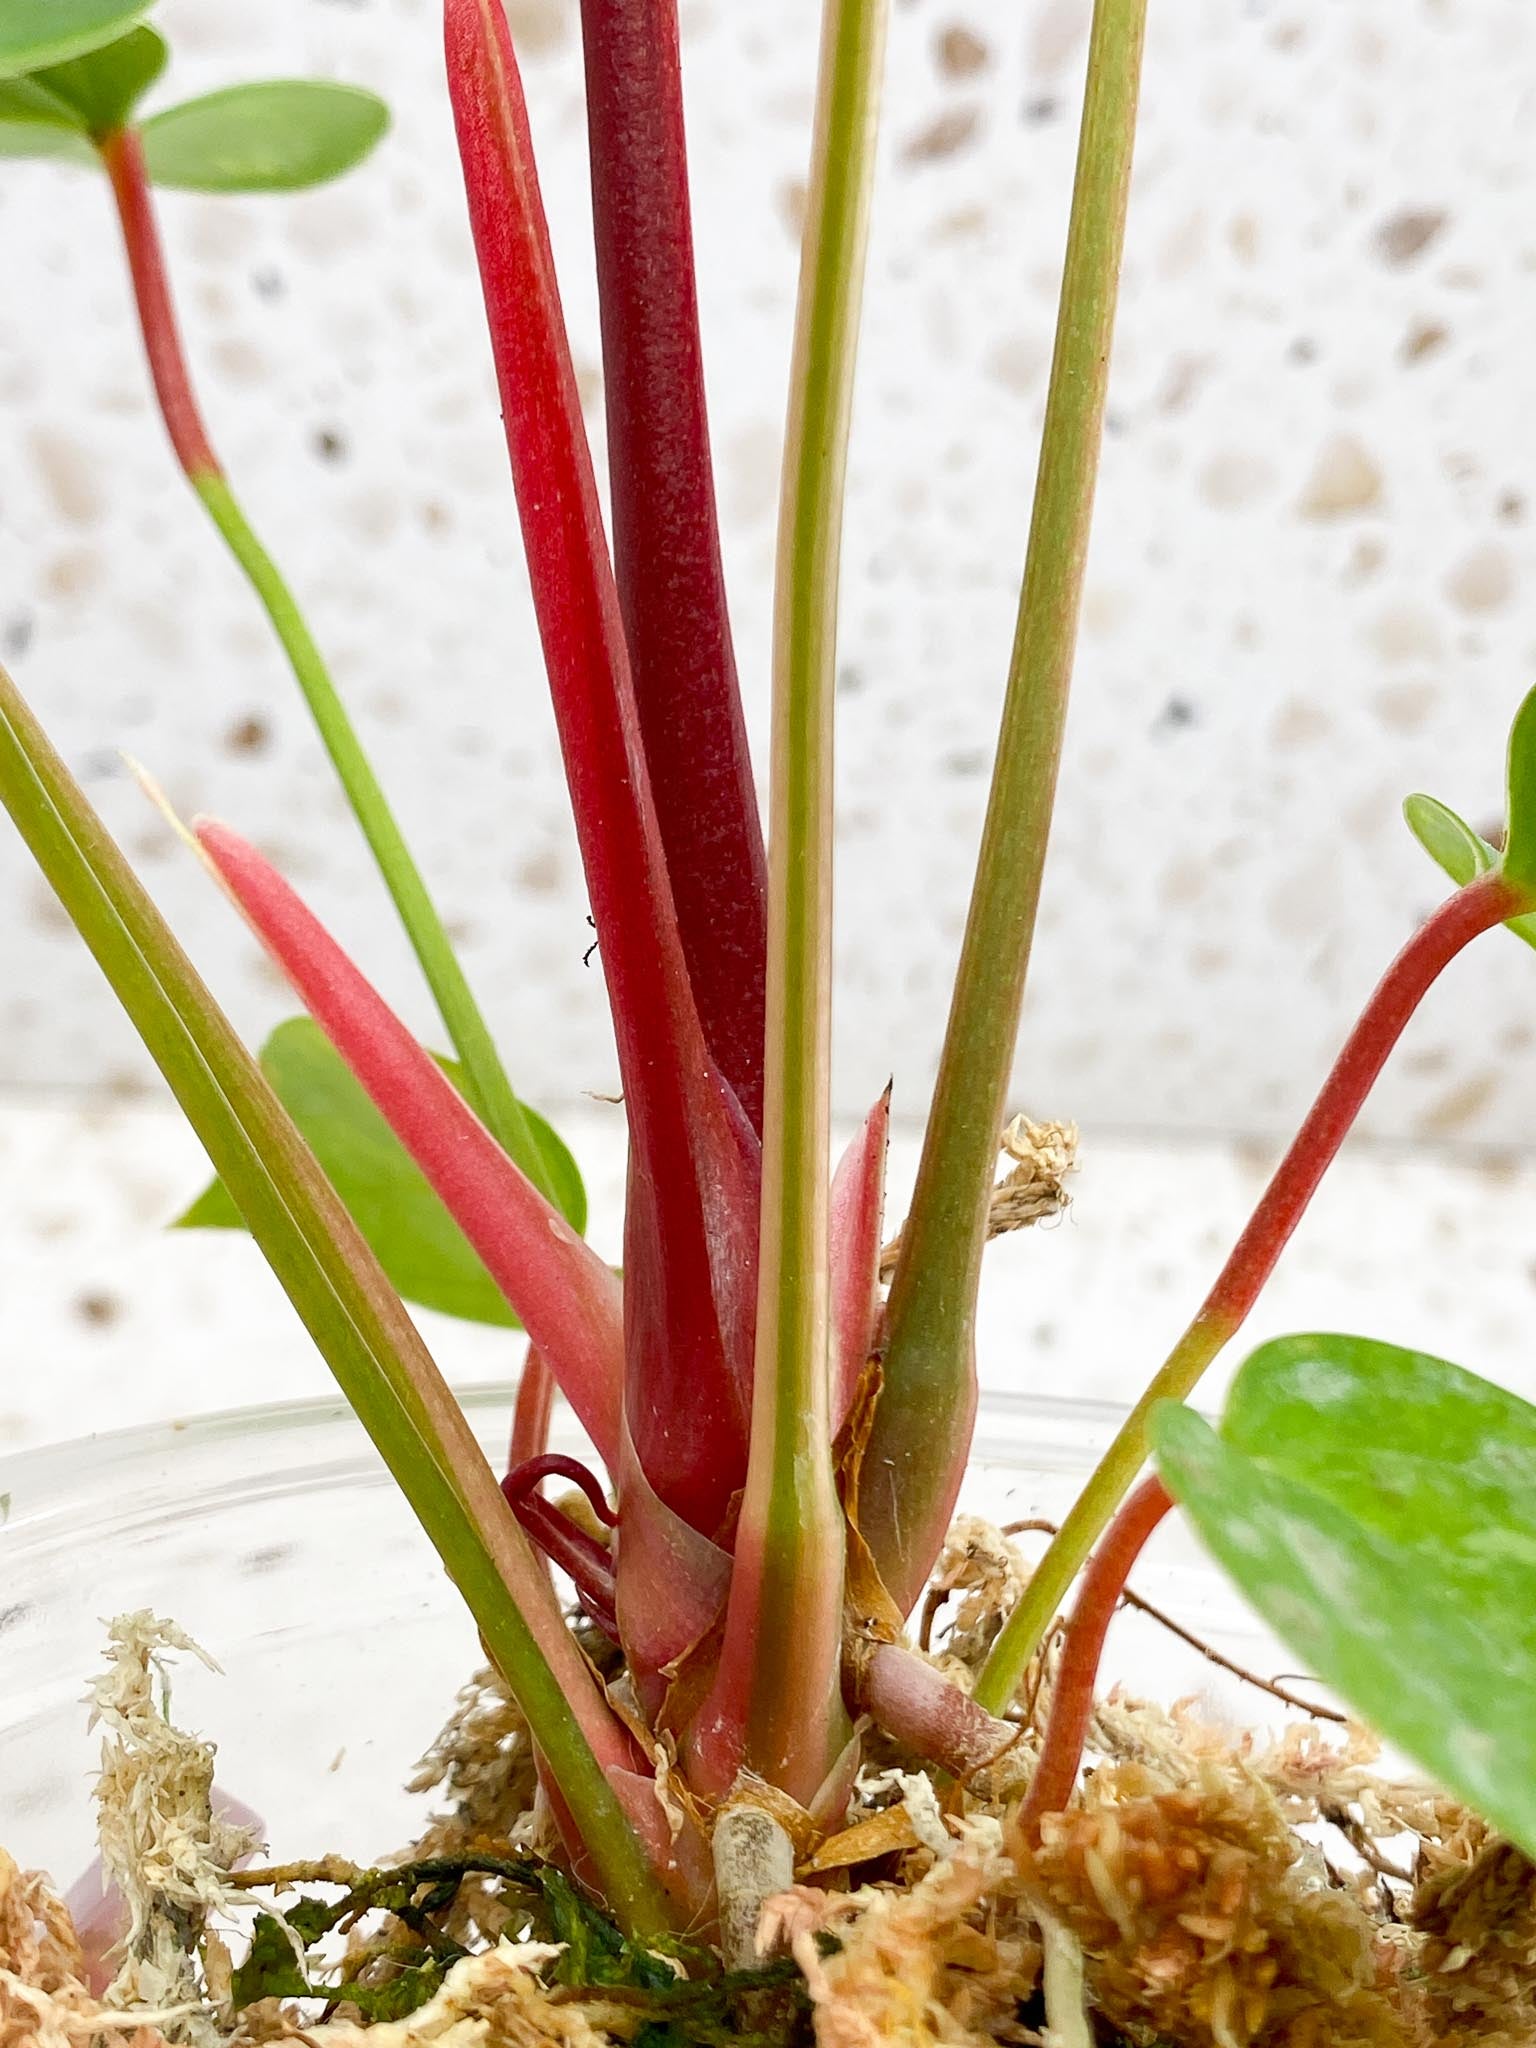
(490, 1091)
(337, 1287)
(780, 1666)
(922, 1425)
(1482, 904)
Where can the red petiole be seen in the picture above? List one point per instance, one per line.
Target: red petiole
(1082, 1647)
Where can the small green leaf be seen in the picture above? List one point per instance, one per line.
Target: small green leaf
(1448, 840)
(421, 1248)
(101, 89)
(1461, 852)
(37, 32)
(275, 137)
(33, 123)
(1520, 834)
(1378, 1507)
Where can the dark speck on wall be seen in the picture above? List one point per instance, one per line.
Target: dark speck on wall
(330, 445)
(98, 1308)
(1176, 716)
(250, 735)
(17, 635)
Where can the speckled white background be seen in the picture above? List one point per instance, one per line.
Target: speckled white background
(1312, 589)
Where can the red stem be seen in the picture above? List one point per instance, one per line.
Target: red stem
(123, 156)
(1461, 918)
(1488, 901)
(690, 1251)
(1077, 1673)
(666, 539)
(531, 1411)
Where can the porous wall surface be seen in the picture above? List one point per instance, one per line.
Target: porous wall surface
(1312, 585)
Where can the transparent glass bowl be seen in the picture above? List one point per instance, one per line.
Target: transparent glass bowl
(276, 1538)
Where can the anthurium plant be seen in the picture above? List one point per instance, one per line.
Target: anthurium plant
(778, 1437)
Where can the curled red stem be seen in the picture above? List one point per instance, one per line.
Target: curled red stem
(585, 1562)
(522, 1479)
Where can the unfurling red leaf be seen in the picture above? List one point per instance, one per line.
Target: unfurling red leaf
(567, 1298)
(853, 1239)
(279, 136)
(1378, 1507)
(1462, 853)
(421, 1248)
(101, 89)
(37, 32)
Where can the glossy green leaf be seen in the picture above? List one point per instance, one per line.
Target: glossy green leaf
(1456, 848)
(416, 1241)
(275, 137)
(35, 124)
(1520, 833)
(38, 32)
(101, 89)
(1378, 1507)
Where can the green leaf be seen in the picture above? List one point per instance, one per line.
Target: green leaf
(1378, 1507)
(38, 32)
(421, 1248)
(1448, 840)
(101, 89)
(1520, 833)
(34, 124)
(1460, 851)
(276, 137)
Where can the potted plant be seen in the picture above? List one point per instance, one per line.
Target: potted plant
(747, 1801)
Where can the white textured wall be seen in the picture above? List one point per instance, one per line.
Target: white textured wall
(1312, 589)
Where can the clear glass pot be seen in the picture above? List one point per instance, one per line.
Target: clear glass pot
(276, 1538)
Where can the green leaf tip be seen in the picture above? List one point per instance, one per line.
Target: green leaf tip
(1462, 853)
(1378, 1508)
(38, 32)
(422, 1250)
(282, 135)
(1520, 834)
